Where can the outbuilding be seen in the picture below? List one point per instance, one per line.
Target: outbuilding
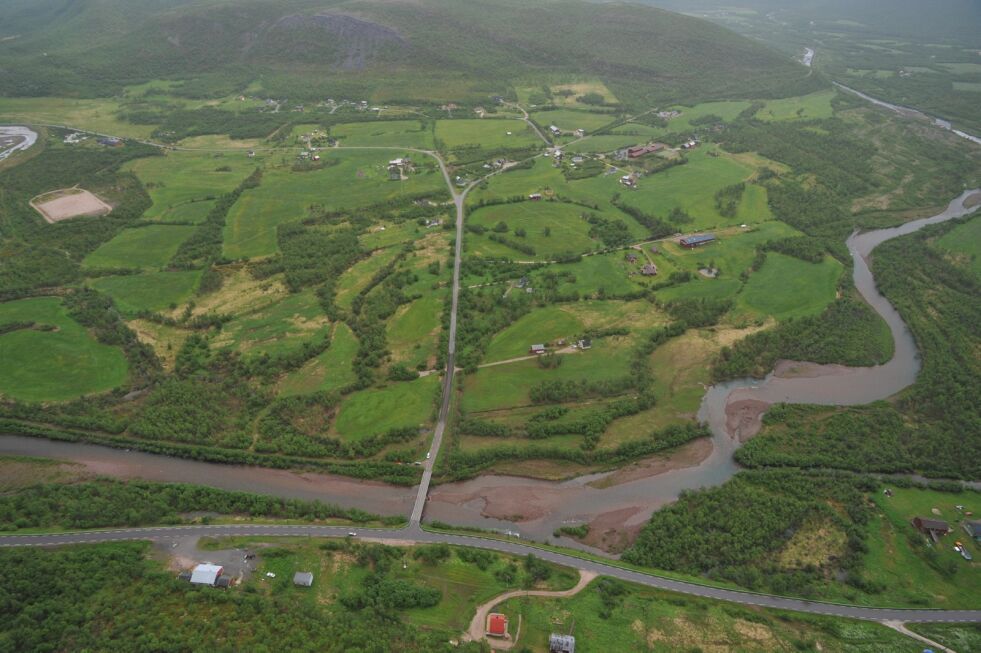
(206, 574)
(698, 240)
(303, 578)
(497, 625)
(536, 349)
(561, 643)
(934, 528)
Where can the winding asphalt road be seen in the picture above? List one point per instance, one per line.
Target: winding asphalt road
(415, 534)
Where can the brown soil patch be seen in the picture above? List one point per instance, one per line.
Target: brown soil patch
(744, 418)
(68, 203)
(688, 455)
(607, 532)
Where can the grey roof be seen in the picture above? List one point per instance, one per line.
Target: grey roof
(205, 574)
(304, 578)
(561, 643)
(973, 528)
(933, 524)
(699, 238)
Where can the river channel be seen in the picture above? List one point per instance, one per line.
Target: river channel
(535, 508)
(14, 138)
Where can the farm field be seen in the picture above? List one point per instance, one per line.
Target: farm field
(606, 273)
(964, 243)
(413, 332)
(787, 287)
(376, 410)
(567, 94)
(53, 365)
(487, 133)
(727, 111)
(150, 291)
(97, 115)
(809, 107)
(358, 276)
(140, 247)
(356, 179)
(566, 230)
(277, 329)
(569, 120)
(387, 133)
(330, 370)
(178, 181)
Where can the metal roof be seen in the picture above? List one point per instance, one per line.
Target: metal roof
(304, 578)
(205, 574)
(699, 238)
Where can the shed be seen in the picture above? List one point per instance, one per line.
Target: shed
(698, 240)
(649, 270)
(935, 528)
(303, 578)
(973, 529)
(497, 625)
(561, 643)
(537, 349)
(206, 574)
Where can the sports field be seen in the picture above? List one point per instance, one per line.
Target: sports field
(69, 203)
(140, 247)
(62, 361)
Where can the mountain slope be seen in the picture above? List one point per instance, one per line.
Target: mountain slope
(384, 48)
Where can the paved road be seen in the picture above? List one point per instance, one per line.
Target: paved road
(414, 534)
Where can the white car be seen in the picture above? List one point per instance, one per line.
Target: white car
(429, 454)
(352, 534)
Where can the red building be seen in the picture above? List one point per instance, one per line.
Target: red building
(497, 625)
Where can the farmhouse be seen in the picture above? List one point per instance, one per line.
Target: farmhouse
(580, 133)
(554, 130)
(643, 150)
(585, 344)
(303, 579)
(536, 349)
(497, 625)
(535, 196)
(206, 574)
(649, 270)
(698, 240)
(934, 528)
(629, 181)
(561, 643)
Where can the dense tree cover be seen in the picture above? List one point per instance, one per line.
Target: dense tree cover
(696, 313)
(848, 331)
(727, 199)
(107, 502)
(735, 532)
(930, 429)
(657, 228)
(112, 597)
(613, 232)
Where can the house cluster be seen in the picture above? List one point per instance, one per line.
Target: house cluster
(690, 144)
(582, 344)
(668, 115)
(649, 269)
(74, 137)
(935, 529)
(397, 168)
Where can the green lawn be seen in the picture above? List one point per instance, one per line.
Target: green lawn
(787, 287)
(488, 133)
(964, 242)
(279, 328)
(151, 291)
(542, 325)
(399, 133)
(177, 178)
(54, 365)
(357, 179)
(331, 370)
(376, 410)
(807, 107)
(140, 247)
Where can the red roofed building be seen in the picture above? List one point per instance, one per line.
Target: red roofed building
(497, 625)
(641, 150)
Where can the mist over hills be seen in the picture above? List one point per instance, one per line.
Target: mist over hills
(385, 49)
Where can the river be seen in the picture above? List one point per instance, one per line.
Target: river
(535, 508)
(14, 138)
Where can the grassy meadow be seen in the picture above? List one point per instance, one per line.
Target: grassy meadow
(486, 133)
(150, 291)
(330, 370)
(787, 287)
(279, 328)
(376, 410)
(384, 133)
(53, 365)
(149, 247)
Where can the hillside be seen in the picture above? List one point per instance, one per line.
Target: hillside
(384, 49)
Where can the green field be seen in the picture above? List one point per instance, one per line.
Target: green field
(808, 107)
(357, 278)
(639, 619)
(376, 410)
(569, 120)
(964, 243)
(140, 247)
(358, 178)
(331, 370)
(279, 328)
(487, 133)
(692, 187)
(176, 179)
(787, 287)
(151, 291)
(541, 326)
(608, 273)
(727, 111)
(398, 133)
(412, 333)
(568, 232)
(54, 365)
